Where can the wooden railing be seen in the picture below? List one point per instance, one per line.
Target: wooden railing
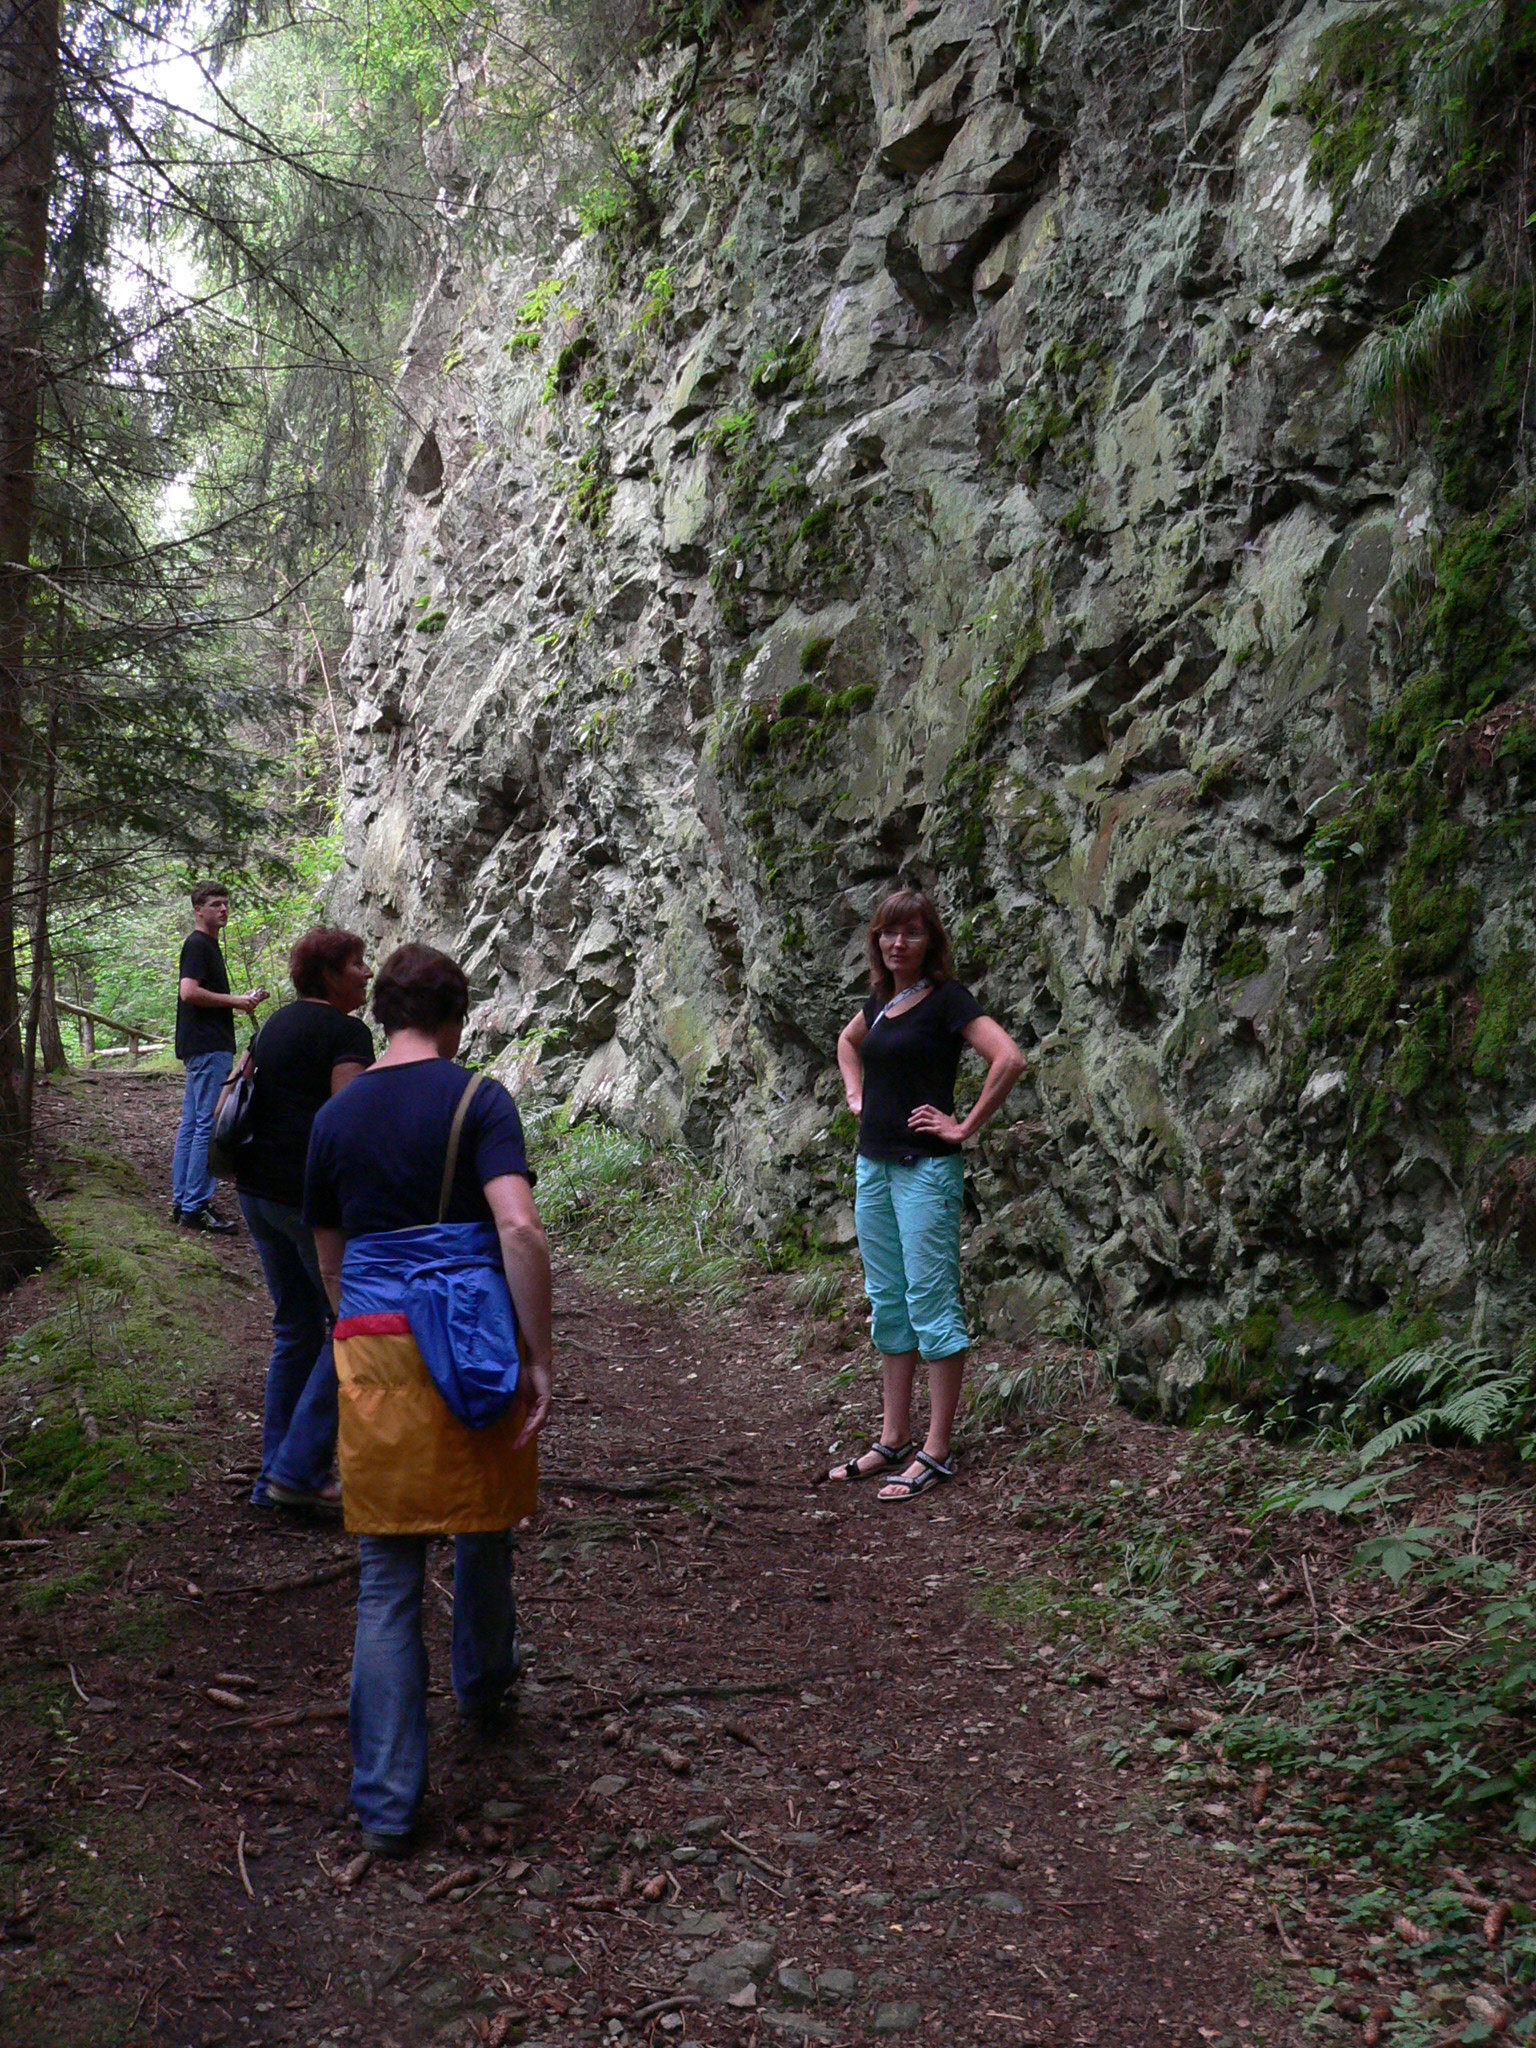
(140, 1037)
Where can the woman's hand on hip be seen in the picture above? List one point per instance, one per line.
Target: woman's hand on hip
(538, 1378)
(933, 1123)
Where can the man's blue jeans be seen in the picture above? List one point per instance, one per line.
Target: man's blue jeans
(389, 1664)
(192, 1185)
(298, 1436)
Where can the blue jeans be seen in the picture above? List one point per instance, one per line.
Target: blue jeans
(908, 1221)
(192, 1185)
(298, 1435)
(389, 1664)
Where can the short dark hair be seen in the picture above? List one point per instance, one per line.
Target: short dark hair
(208, 892)
(419, 989)
(321, 952)
(905, 907)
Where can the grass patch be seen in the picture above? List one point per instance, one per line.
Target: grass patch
(643, 1217)
(1043, 1388)
(93, 1396)
(1051, 1611)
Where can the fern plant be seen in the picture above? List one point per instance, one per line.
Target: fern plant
(1458, 1389)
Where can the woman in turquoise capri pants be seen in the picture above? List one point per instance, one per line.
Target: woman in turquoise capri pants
(898, 1057)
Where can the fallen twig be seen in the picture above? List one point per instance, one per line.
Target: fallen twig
(753, 1857)
(1286, 1942)
(337, 1710)
(323, 1577)
(245, 1875)
(682, 2001)
(653, 1695)
(1311, 1602)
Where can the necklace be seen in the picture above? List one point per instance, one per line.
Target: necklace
(905, 996)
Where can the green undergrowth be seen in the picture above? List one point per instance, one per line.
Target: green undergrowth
(96, 1395)
(1291, 1367)
(643, 1217)
(1342, 1668)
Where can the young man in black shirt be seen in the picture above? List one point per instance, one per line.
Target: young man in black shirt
(205, 1043)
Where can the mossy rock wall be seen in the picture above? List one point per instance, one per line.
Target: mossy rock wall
(963, 478)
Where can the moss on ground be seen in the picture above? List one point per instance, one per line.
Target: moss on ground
(96, 1393)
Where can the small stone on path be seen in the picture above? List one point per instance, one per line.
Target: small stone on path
(729, 1972)
(796, 1985)
(900, 2018)
(799, 2024)
(838, 1985)
(608, 1787)
(1002, 1902)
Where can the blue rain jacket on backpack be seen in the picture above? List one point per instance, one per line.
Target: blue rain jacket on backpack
(447, 1280)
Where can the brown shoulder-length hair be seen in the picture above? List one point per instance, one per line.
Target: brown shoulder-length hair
(419, 988)
(902, 908)
(318, 955)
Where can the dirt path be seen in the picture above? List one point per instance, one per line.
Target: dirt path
(773, 1774)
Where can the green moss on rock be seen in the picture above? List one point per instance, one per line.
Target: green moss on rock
(1356, 95)
(1504, 1001)
(1432, 912)
(1245, 957)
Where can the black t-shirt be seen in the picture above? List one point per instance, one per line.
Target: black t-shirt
(199, 1030)
(296, 1052)
(910, 1059)
(377, 1151)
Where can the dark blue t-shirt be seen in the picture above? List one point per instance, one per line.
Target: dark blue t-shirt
(377, 1150)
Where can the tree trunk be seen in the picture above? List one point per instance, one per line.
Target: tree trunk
(29, 75)
(42, 1038)
(50, 1039)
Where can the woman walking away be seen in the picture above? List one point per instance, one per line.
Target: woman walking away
(434, 1256)
(899, 1057)
(302, 1056)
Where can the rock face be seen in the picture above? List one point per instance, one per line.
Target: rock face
(972, 478)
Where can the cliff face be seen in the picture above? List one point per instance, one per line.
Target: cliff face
(977, 479)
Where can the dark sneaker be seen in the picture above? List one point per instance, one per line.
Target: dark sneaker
(208, 1219)
(320, 1500)
(175, 1214)
(385, 1845)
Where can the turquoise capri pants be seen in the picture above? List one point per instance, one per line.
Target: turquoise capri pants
(907, 1215)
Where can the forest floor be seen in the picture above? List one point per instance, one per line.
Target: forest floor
(789, 1763)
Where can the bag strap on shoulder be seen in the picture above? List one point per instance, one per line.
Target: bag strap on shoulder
(455, 1132)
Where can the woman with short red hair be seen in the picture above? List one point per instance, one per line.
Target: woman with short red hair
(899, 1057)
(303, 1055)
